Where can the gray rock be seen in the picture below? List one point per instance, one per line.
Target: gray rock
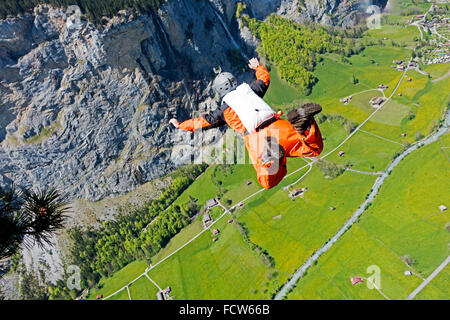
(86, 110)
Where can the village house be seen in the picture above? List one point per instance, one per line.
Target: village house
(207, 220)
(356, 280)
(211, 203)
(346, 99)
(297, 192)
(377, 101)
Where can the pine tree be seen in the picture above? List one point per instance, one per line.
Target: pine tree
(28, 217)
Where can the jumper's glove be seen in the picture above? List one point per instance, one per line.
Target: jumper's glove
(174, 122)
(253, 63)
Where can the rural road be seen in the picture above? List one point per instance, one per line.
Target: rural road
(428, 280)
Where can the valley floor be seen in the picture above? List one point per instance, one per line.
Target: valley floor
(399, 239)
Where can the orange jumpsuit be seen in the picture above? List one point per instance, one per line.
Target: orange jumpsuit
(294, 143)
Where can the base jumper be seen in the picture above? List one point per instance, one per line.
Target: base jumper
(268, 139)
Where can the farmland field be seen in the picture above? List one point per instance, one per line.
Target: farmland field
(272, 235)
(393, 227)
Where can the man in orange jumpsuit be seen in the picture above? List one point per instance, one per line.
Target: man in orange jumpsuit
(268, 139)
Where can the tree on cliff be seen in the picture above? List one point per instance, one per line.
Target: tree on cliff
(28, 217)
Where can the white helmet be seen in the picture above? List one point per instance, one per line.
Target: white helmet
(224, 83)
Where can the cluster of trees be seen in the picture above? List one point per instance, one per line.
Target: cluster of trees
(99, 252)
(330, 169)
(94, 10)
(224, 171)
(293, 48)
(348, 125)
(265, 257)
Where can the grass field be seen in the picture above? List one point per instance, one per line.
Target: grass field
(437, 289)
(118, 280)
(426, 102)
(143, 289)
(437, 70)
(398, 33)
(366, 153)
(305, 223)
(404, 220)
(226, 269)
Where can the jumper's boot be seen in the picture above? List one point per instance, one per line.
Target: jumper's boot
(301, 118)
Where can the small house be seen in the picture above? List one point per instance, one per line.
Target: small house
(215, 239)
(442, 208)
(215, 232)
(332, 208)
(341, 153)
(99, 296)
(356, 280)
(408, 273)
(207, 220)
(230, 220)
(377, 101)
(211, 203)
(403, 134)
(248, 183)
(409, 79)
(160, 295)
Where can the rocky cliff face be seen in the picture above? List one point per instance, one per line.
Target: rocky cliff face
(86, 110)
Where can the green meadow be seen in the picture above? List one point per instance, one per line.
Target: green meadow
(288, 229)
(366, 152)
(225, 269)
(143, 289)
(437, 289)
(404, 220)
(121, 278)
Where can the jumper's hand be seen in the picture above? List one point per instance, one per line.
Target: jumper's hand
(253, 63)
(174, 122)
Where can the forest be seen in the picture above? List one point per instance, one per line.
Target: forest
(93, 10)
(294, 49)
